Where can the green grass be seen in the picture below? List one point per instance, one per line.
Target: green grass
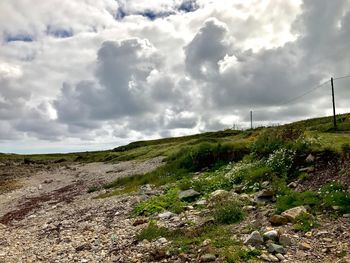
(330, 196)
(305, 222)
(229, 212)
(152, 232)
(157, 204)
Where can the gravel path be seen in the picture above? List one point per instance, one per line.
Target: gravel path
(52, 218)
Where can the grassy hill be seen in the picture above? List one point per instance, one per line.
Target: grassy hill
(303, 164)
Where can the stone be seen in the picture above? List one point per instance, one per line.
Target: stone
(208, 258)
(166, 215)
(162, 240)
(273, 258)
(271, 235)
(278, 220)
(309, 169)
(206, 242)
(83, 247)
(274, 248)
(202, 202)
(304, 246)
(265, 195)
(249, 208)
(265, 184)
(218, 193)
(346, 215)
(285, 240)
(265, 257)
(280, 257)
(254, 239)
(188, 195)
(292, 185)
(310, 158)
(138, 222)
(294, 212)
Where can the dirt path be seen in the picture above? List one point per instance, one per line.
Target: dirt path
(52, 218)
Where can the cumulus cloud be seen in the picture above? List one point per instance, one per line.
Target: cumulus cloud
(124, 70)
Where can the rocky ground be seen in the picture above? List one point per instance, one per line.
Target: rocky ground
(51, 217)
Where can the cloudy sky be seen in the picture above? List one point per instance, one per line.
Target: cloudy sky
(94, 74)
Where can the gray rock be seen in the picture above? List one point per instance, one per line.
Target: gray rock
(292, 185)
(218, 193)
(265, 257)
(274, 248)
(208, 258)
(166, 215)
(265, 195)
(188, 195)
(254, 239)
(271, 235)
(285, 240)
(280, 257)
(202, 202)
(310, 158)
(273, 258)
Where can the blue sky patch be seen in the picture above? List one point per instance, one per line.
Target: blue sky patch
(59, 32)
(120, 14)
(188, 6)
(151, 15)
(19, 37)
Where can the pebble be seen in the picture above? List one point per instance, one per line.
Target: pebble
(304, 246)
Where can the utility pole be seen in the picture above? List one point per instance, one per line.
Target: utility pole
(251, 119)
(334, 118)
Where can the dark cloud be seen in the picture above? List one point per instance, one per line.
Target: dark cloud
(197, 69)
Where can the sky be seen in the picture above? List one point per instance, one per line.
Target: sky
(79, 75)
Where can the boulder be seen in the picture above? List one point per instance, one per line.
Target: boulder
(265, 195)
(254, 239)
(274, 248)
(188, 195)
(294, 212)
(208, 258)
(278, 220)
(271, 235)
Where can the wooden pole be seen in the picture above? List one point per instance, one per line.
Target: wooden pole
(251, 120)
(333, 100)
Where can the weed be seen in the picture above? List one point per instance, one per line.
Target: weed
(305, 222)
(168, 201)
(229, 213)
(151, 232)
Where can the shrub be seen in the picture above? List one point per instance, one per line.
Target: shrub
(229, 213)
(235, 254)
(336, 195)
(305, 222)
(169, 201)
(281, 160)
(249, 172)
(206, 155)
(151, 232)
(293, 199)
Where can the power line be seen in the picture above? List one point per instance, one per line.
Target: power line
(304, 94)
(343, 77)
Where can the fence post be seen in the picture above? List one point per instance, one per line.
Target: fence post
(333, 100)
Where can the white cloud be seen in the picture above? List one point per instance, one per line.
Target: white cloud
(122, 70)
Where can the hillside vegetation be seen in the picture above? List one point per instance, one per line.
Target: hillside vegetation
(235, 183)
